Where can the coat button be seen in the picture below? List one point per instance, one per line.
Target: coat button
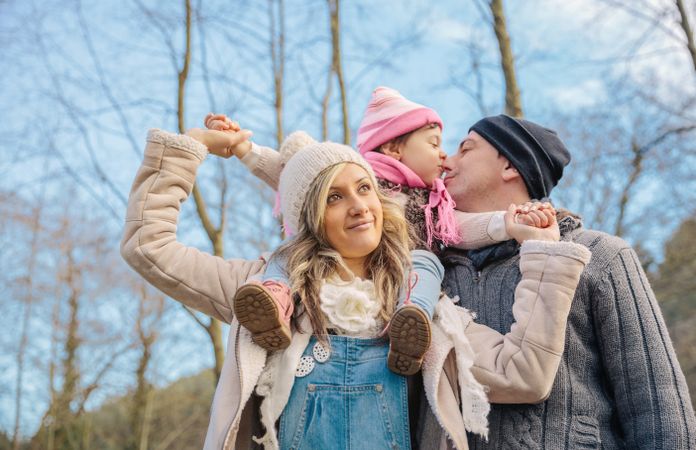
(321, 354)
(305, 366)
(378, 388)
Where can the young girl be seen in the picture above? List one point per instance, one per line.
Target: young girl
(402, 142)
(341, 394)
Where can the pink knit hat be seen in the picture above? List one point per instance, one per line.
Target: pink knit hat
(390, 115)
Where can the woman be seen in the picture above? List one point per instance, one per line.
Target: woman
(331, 387)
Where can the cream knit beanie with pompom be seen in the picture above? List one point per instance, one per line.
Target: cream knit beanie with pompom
(308, 158)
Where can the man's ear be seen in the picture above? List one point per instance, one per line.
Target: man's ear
(392, 150)
(509, 172)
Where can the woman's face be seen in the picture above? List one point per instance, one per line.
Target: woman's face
(353, 216)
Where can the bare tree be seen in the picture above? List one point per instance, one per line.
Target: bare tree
(661, 17)
(277, 18)
(688, 32)
(513, 100)
(211, 326)
(148, 308)
(29, 291)
(639, 152)
(474, 91)
(626, 152)
(335, 69)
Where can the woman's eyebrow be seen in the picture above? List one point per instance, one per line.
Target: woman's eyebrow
(360, 180)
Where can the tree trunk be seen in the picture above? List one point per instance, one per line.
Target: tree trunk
(59, 421)
(513, 101)
(688, 32)
(636, 170)
(278, 63)
(325, 102)
(337, 66)
(639, 154)
(50, 414)
(71, 374)
(29, 290)
(145, 431)
(142, 397)
(213, 327)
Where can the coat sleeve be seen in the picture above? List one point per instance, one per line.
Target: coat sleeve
(643, 374)
(265, 164)
(164, 180)
(520, 366)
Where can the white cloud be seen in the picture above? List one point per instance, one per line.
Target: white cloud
(579, 95)
(450, 30)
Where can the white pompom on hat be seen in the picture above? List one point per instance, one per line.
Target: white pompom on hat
(308, 158)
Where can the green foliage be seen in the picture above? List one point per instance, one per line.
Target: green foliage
(179, 420)
(5, 442)
(675, 288)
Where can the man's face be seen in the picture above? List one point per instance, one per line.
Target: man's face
(474, 174)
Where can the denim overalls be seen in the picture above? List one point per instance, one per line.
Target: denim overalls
(350, 401)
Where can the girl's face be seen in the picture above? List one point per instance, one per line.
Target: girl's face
(422, 153)
(353, 217)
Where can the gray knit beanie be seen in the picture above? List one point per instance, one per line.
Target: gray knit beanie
(309, 158)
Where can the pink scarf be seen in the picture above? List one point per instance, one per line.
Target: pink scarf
(396, 172)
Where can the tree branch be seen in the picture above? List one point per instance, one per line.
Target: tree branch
(688, 32)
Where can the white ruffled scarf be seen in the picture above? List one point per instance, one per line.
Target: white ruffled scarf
(351, 307)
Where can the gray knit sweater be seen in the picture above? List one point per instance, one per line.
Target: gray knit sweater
(619, 384)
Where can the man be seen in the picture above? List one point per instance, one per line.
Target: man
(619, 384)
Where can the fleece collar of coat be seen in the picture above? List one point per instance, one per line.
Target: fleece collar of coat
(450, 344)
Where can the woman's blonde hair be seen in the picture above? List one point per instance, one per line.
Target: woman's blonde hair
(310, 258)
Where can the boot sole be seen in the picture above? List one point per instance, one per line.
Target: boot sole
(257, 311)
(409, 339)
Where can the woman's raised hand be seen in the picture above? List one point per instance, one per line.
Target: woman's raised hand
(532, 220)
(222, 143)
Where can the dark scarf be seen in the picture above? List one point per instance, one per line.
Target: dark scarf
(481, 257)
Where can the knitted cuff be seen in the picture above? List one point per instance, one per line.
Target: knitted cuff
(553, 248)
(253, 158)
(496, 227)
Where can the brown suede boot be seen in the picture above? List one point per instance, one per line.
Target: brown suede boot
(265, 310)
(409, 339)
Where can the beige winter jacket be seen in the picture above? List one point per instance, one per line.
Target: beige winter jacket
(517, 367)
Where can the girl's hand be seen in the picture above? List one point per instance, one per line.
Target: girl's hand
(521, 232)
(221, 143)
(535, 214)
(220, 122)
